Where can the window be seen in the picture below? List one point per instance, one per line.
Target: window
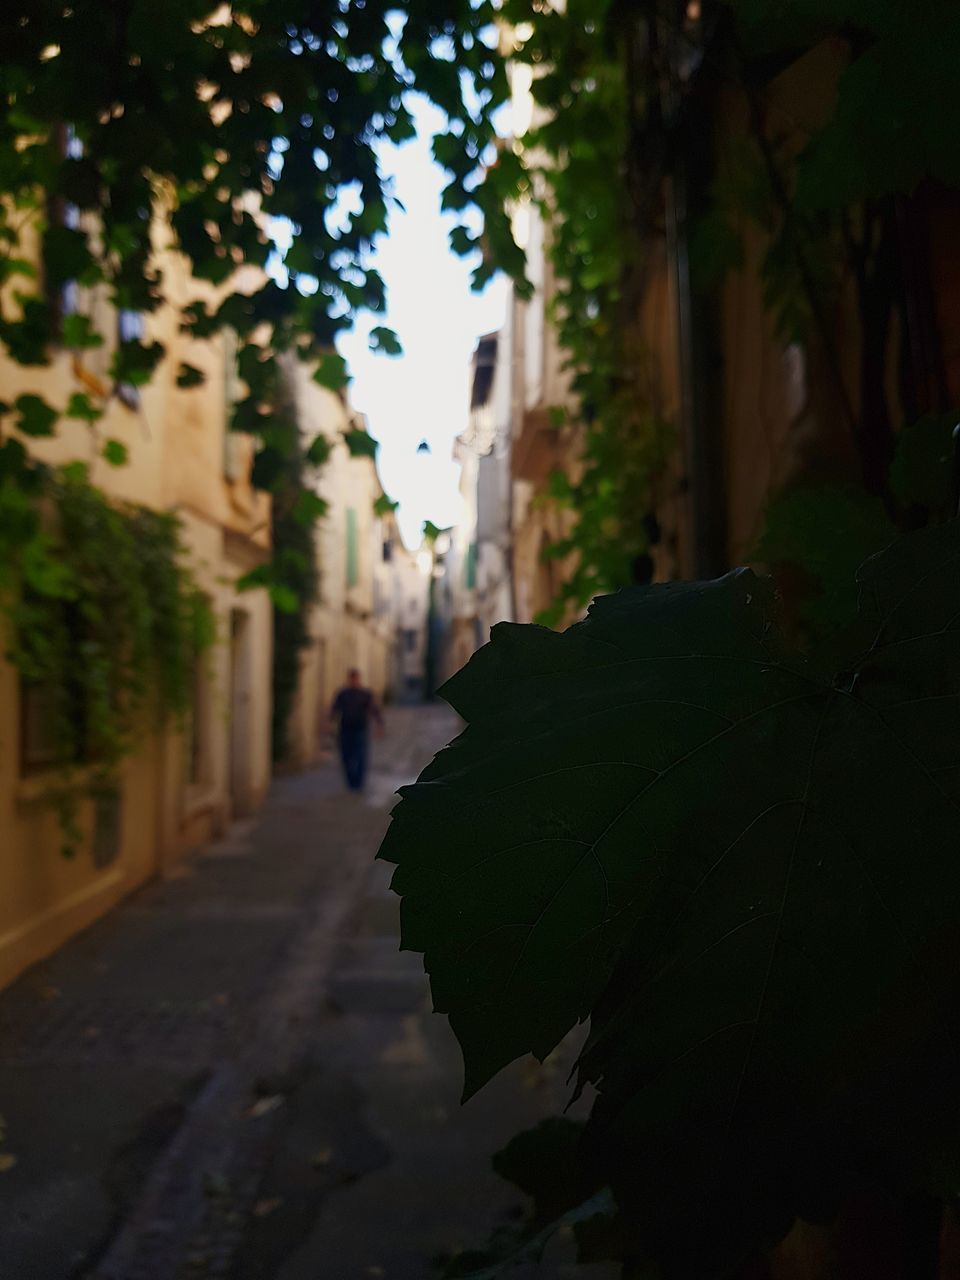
(387, 550)
(38, 745)
(55, 728)
(353, 567)
(410, 640)
(54, 725)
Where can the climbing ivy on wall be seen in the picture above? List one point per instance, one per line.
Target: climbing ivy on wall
(580, 172)
(288, 467)
(99, 615)
(626, 95)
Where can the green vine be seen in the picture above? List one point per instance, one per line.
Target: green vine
(101, 615)
(284, 468)
(580, 170)
(627, 97)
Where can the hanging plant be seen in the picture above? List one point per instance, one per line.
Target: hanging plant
(103, 620)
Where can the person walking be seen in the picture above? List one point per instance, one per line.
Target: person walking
(353, 708)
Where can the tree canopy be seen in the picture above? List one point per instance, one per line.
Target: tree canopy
(238, 114)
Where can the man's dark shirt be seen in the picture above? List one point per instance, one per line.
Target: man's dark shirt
(354, 707)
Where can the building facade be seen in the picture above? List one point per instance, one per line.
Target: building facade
(182, 783)
(752, 412)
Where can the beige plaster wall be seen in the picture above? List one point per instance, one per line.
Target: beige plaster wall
(176, 447)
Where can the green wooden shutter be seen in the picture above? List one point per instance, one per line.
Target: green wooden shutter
(470, 567)
(353, 571)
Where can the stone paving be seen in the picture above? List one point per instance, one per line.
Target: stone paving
(236, 1074)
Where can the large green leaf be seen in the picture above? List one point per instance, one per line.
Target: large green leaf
(742, 865)
(385, 340)
(384, 505)
(360, 443)
(36, 417)
(825, 531)
(331, 371)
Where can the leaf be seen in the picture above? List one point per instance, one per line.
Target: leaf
(115, 452)
(331, 372)
(310, 507)
(10, 267)
(543, 1163)
(28, 339)
(81, 406)
(431, 532)
(284, 598)
(556, 550)
(254, 578)
(895, 120)
(134, 362)
(36, 418)
(190, 376)
(318, 451)
(383, 505)
(462, 241)
(269, 468)
(360, 443)
(531, 1250)
(7, 1161)
(385, 341)
(741, 865)
(923, 466)
(76, 472)
(826, 532)
(559, 487)
(78, 333)
(67, 256)
(552, 615)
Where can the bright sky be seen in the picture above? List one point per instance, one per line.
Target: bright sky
(423, 394)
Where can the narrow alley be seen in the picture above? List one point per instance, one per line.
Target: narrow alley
(235, 1074)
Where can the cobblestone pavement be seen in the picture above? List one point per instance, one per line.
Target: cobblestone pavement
(236, 1074)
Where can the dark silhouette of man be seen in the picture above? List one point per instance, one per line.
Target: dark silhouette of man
(353, 708)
